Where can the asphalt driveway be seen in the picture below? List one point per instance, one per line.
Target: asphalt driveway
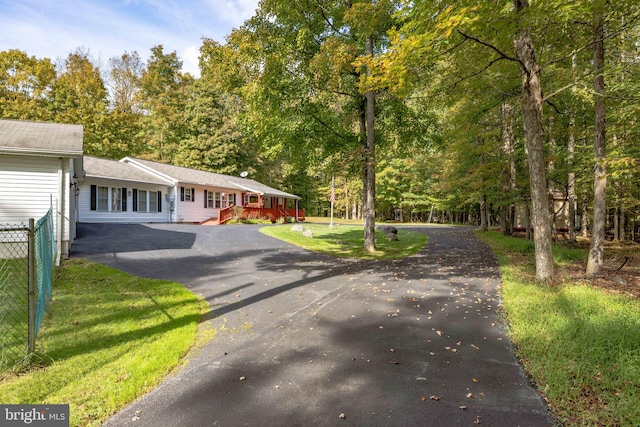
(310, 340)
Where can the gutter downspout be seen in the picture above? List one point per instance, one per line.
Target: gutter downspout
(173, 204)
(60, 208)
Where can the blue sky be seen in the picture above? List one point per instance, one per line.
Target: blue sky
(107, 28)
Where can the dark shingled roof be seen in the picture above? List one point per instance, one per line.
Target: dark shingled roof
(103, 168)
(18, 136)
(193, 176)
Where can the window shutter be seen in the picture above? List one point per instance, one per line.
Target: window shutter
(205, 198)
(193, 194)
(94, 195)
(135, 200)
(124, 199)
(159, 201)
(182, 194)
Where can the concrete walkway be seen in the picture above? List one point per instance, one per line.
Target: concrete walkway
(310, 340)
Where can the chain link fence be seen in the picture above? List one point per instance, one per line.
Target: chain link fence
(14, 294)
(27, 255)
(44, 243)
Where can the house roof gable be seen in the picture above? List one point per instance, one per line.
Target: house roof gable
(48, 139)
(112, 169)
(210, 179)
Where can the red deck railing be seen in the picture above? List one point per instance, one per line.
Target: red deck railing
(225, 214)
(272, 214)
(248, 212)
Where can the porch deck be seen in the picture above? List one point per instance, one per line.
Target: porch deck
(251, 212)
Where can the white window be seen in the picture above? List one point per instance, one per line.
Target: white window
(250, 198)
(153, 201)
(214, 199)
(142, 200)
(116, 199)
(231, 199)
(188, 197)
(103, 198)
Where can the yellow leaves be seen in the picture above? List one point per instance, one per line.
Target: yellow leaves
(370, 17)
(334, 60)
(450, 20)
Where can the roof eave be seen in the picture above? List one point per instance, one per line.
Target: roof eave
(167, 183)
(262, 193)
(37, 152)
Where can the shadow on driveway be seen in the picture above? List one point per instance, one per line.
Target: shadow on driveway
(302, 338)
(111, 238)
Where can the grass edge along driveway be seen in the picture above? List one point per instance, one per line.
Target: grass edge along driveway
(579, 343)
(347, 241)
(107, 339)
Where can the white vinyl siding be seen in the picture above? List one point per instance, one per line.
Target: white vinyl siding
(205, 206)
(126, 192)
(30, 185)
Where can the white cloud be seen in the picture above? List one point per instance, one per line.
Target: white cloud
(108, 28)
(234, 12)
(190, 60)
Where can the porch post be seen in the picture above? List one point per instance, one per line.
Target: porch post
(296, 202)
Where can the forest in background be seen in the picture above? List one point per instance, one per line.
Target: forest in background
(469, 109)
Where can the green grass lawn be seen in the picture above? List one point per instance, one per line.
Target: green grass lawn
(579, 343)
(14, 311)
(107, 338)
(348, 240)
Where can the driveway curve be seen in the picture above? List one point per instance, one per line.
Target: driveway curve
(310, 340)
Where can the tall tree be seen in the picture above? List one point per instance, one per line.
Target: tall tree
(124, 121)
(535, 138)
(595, 260)
(164, 95)
(306, 91)
(80, 97)
(213, 140)
(124, 81)
(25, 86)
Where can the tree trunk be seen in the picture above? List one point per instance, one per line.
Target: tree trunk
(584, 226)
(346, 201)
(623, 217)
(508, 171)
(370, 166)
(534, 132)
(571, 178)
(362, 120)
(527, 210)
(483, 214)
(616, 224)
(595, 261)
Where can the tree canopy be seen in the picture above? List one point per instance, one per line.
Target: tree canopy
(502, 113)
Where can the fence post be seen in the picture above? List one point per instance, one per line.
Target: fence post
(32, 287)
